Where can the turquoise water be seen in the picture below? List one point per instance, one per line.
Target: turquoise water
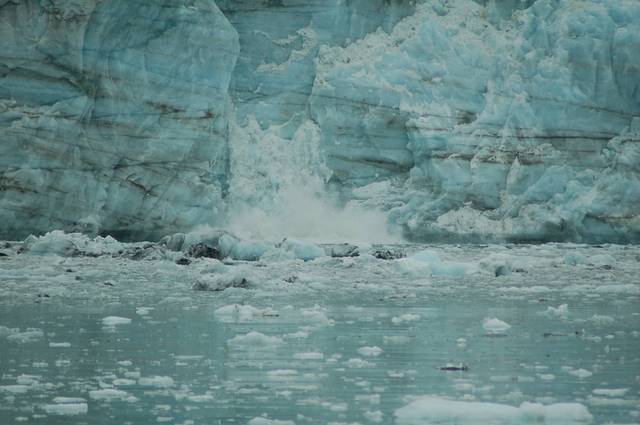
(348, 341)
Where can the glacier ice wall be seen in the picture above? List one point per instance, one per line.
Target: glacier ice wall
(523, 130)
(113, 115)
(461, 120)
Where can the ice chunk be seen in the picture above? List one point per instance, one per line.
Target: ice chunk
(303, 250)
(266, 421)
(580, 373)
(156, 381)
(602, 260)
(408, 317)
(255, 339)
(434, 410)
(220, 283)
(308, 356)
(495, 326)
(562, 311)
(370, 351)
(67, 406)
(113, 321)
(428, 263)
(109, 394)
(242, 313)
(27, 336)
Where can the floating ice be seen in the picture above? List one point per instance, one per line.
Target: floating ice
(370, 351)
(113, 321)
(435, 410)
(67, 406)
(255, 339)
(242, 313)
(266, 421)
(580, 373)
(409, 317)
(562, 311)
(27, 336)
(495, 326)
(110, 394)
(156, 381)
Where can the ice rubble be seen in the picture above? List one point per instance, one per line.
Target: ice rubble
(455, 120)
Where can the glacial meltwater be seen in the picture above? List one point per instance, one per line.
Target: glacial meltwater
(402, 334)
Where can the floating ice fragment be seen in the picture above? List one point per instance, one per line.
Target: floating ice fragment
(266, 421)
(109, 394)
(374, 416)
(357, 363)
(370, 351)
(143, 311)
(156, 381)
(255, 339)
(30, 335)
(67, 408)
(562, 311)
(308, 356)
(435, 410)
(580, 373)
(611, 392)
(495, 326)
(242, 313)
(282, 374)
(602, 260)
(602, 320)
(405, 318)
(14, 389)
(115, 321)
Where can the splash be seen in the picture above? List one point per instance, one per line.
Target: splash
(278, 189)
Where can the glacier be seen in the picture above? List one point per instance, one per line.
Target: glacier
(458, 120)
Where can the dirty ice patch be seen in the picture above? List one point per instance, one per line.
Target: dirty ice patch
(242, 313)
(436, 410)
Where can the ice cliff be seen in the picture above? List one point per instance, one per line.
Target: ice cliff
(457, 120)
(113, 115)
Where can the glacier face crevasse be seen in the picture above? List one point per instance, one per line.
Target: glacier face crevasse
(461, 120)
